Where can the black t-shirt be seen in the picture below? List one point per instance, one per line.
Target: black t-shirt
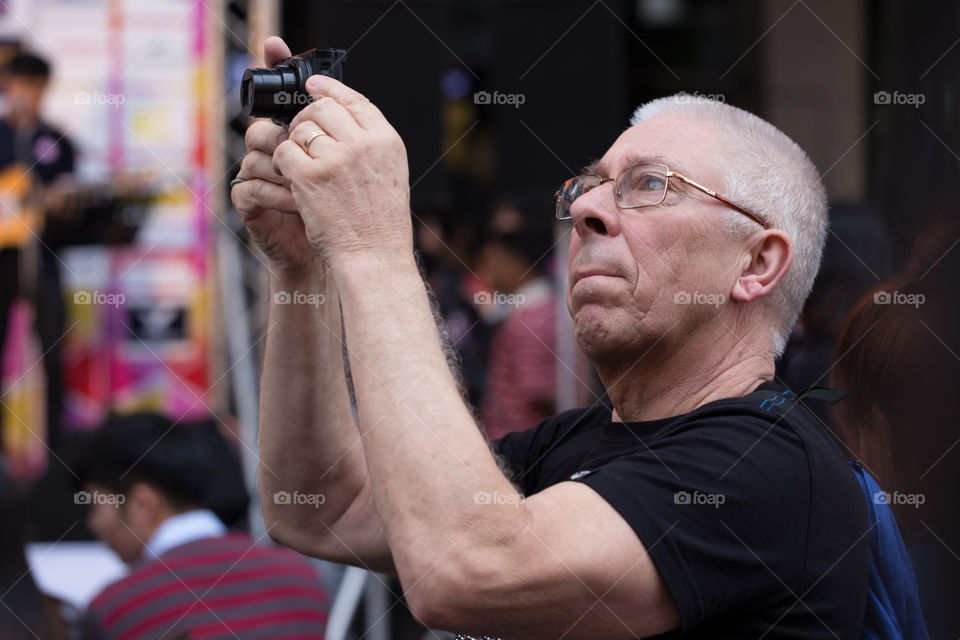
(45, 150)
(746, 506)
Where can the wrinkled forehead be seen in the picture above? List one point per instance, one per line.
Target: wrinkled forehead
(685, 144)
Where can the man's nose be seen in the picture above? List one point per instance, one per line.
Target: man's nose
(596, 212)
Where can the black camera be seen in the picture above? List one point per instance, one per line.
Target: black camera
(280, 93)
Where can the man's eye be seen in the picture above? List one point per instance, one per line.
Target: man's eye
(648, 182)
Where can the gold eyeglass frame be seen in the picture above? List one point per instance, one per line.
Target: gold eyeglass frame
(667, 174)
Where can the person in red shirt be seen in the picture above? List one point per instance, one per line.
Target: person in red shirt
(521, 379)
(150, 486)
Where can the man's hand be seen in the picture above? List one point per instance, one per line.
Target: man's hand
(264, 201)
(351, 185)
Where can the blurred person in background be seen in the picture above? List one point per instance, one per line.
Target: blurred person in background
(444, 253)
(36, 161)
(25, 612)
(898, 357)
(856, 255)
(521, 379)
(153, 488)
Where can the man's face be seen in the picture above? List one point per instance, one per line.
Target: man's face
(631, 270)
(24, 95)
(109, 522)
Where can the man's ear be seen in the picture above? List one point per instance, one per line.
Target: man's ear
(771, 254)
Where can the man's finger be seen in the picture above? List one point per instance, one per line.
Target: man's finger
(290, 159)
(328, 115)
(275, 50)
(359, 106)
(259, 165)
(263, 135)
(305, 131)
(255, 196)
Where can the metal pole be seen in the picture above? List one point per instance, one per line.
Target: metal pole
(243, 367)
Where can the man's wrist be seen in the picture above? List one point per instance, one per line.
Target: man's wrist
(313, 277)
(373, 269)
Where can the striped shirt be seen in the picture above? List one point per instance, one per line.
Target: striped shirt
(521, 385)
(216, 587)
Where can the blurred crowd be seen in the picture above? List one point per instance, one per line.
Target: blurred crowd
(497, 292)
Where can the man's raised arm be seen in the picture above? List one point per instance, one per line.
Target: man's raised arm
(312, 473)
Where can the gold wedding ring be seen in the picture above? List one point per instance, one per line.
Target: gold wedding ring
(313, 136)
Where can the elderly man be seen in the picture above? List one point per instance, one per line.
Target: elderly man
(706, 501)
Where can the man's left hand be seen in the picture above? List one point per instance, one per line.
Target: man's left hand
(351, 185)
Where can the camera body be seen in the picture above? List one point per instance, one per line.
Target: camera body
(280, 93)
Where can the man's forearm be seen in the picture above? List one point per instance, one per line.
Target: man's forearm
(426, 460)
(311, 460)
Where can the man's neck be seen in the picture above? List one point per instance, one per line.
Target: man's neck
(670, 384)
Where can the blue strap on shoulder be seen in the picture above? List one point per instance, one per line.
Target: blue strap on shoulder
(893, 603)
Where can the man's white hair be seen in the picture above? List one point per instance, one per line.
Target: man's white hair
(769, 174)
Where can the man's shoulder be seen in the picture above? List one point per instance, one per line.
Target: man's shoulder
(766, 436)
(770, 402)
(770, 438)
(772, 425)
(771, 407)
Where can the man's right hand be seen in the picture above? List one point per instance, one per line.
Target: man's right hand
(264, 201)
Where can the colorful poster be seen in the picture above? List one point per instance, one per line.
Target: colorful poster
(132, 91)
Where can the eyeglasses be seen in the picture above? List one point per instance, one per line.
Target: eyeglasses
(643, 185)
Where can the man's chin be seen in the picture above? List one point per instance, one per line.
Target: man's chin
(595, 336)
(127, 556)
(606, 339)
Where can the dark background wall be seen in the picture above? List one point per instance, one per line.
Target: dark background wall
(580, 67)
(811, 68)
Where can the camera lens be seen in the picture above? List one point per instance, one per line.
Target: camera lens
(272, 92)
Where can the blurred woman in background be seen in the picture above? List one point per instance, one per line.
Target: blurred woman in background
(899, 357)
